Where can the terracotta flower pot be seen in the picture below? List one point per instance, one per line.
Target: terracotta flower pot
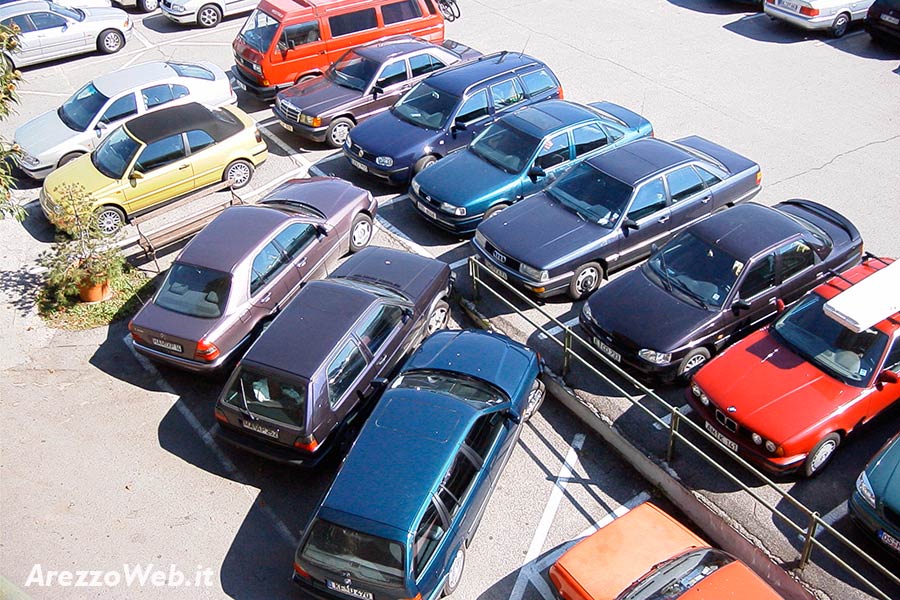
(94, 292)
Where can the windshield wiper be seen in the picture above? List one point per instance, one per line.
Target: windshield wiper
(683, 287)
(665, 271)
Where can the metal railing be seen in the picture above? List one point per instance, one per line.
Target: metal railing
(807, 531)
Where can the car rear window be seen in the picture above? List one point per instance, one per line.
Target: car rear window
(195, 71)
(537, 82)
(194, 291)
(357, 555)
(269, 396)
(674, 578)
(470, 390)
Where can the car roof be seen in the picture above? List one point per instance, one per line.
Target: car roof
(162, 123)
(383, 50)
(406, 445)
(227, 240)
(24, 6)
(116, 82)
(537, 120)
(747, 229)
(640, 159)
(456, 79)
(324, 311)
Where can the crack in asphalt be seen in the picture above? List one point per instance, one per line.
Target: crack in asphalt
(833, 159)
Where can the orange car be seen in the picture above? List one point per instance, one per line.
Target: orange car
(646, 554)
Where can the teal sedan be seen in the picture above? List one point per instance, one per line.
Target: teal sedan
(875, 504)
(517, 156)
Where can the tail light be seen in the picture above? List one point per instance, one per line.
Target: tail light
(809, 11)
(652, 133)
(307, 443)
(206, 351)
(758, 177)
(560, 92)
(220, 416)
(258, 136)
(299, 571)
(134, 334)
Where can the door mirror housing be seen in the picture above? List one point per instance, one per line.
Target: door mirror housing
(135, 175)
(323, 229)
(535, 172)
(376, 91)
(100, 128)
(740, 304)
(514, 416)
(629, 224)
(887, 376)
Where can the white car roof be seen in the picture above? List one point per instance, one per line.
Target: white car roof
(868, 302)
(117, 82)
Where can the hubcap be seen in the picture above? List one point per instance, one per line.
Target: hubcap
(151, 5)
(208, 17)
(695, 362)
(533, 399)
(586, 280)
(109, 221)
(361, 233)
(823, 455)
(111, 41)
(455, 570)
(239, 174)
(339, 134)
(437, 320)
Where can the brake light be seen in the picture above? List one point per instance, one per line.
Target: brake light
(134, 334)
(417, 597)
(758, 177)
(560, 92)
(220, 416)
(307, 443)
(809, 11)
(206, 351)
(258, 137)
(771, 1)
(299, 571)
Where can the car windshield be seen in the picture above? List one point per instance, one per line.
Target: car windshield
(355, 555)
(842, 353)
(80, 109)
(692, 267)
(470, 390)
(505, 147)
(426, 106)
(194, 291)
(593, 194)
(673, 578)
(384, 289)
(269, 396)
(115, 153)
(259, 31)
(65, 11)
(353, 71)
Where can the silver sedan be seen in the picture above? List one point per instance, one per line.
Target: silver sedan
(834, 16)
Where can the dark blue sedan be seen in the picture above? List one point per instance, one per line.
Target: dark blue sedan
(409, 496)
(518, 156)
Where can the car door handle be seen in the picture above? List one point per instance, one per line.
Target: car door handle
(705, 199)
(182, 167)
(663, 219)
(302, 262)
(265, 298)
(381, 360)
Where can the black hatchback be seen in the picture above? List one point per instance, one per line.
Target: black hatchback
(716, 282)
(883, 21)
(307, 384)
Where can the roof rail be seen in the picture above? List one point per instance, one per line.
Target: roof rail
(870, 301)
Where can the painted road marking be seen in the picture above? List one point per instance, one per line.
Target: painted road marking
(556, 329)
(667, 418)
(457, 264)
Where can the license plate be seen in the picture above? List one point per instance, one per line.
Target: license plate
(495, 270)
(240, 84)
(428, 212)
(890, 19)
(607, 350)
(359, 165)
(286, 126)
(792, 6)
(253, 426)
(350, 591)
(889, 540)
(167, 345)
(719, 436)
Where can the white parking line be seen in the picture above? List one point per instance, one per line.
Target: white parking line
(291, 153)
(143, 40)
(33, 93)
(667, 419)
(457, 264)
(404, 239)
(556, 329)
(394, 200)
(833, 516)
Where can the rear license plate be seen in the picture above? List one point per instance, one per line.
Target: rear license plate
(890, 19)
(359, 165)
(495, 270)
(428, 212)
(167, 345)
(286, 126)
(889, 540)
(791, 6)
(350, 591)
(252, 426)
(719, 436)
(607, 350)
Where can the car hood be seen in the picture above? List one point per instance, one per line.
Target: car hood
(318, 95)
(796, 394)
(43, 133)
(541, 232)
(884, 475)
(464, 179)
(82, 172)
(386, 135)
(625, 305)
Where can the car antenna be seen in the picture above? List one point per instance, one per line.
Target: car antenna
(525, 45)
(503, 54)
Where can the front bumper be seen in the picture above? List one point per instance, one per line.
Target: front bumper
(281, 454)
(37, 172)
(452, 223)
(628, 358)
(542, 289)
(263, 92)
(817, 23)
(868, 519)
(181, 18)
(316, 134)
(393, 175)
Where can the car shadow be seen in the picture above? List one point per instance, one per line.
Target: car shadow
(37, 225)
(21, 286)
(719, 7)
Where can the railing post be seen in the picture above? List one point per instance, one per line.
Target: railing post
(473, 276)
(567, 349)
(807, 543)
(673, 429)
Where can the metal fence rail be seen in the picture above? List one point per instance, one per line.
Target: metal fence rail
(807, 530)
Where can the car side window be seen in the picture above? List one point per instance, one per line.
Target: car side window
(795, 257)
(266, 265)
(651, 197)
(538, 82)
(396, 12)
(476, 107)
(429, 534)
(392, 74)
(301, 33)
(295, 238)
(156, 95)
(484, 432)
(424, 63)
(343, 371)
(554, 151)
(892, 362)
(122, 108)
(198, 140)
(684, 183)
(588, 138)
(709, 179)
(22, 22)
(457, 483)
(376, 329)
(614, 134)
(507, 93)
(161, 153)
(351, 22)
(760, 277)
(45, 20)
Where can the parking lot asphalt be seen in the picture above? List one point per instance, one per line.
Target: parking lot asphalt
(107, 462)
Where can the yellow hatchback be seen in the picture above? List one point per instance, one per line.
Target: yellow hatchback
(158, 157)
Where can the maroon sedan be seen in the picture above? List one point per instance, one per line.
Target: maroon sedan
(245, 265)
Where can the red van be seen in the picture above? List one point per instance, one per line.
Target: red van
(286, 41)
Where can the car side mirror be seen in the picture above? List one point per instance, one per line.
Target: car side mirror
(135, 175)
(322, 229)
(535, 172)
(654, 248)
(100, 128)
(376, 91)
(629, 224)
(458, 126)
(887, 376)
(740, 304)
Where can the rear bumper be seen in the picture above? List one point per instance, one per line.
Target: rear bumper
(185, 364)
(810, 23)
(280, 454)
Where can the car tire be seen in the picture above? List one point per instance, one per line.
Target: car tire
(240, 172)
(306, 77)
(585, 280)
(423, 163)
(209, 16)
(535, 399)
(110, 41)
(840, 25)
(438, 317)
(110, 219)
(68, 158)
(361, 231)
(493, 211)
(821, 455)
(337, 131)
(692, 362)
(454, 576)
(148, 6)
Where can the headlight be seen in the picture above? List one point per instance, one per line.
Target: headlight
(586, 311)
(757, 439)
(865, 489)
(384, 161)
(657, 358)
(479, 239)
(698, 393)
(771, 447)
(533, 273)
(177, 8)
(311, 120)
(415, 187)
(256, 68)
(29, 160)
(459, 211)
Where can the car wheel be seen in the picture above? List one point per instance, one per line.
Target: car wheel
(208, 16)
(336, 134)
(535, 399)
(360, 232)
(110, 219)
(821, 454)
(110, 41)
(438, 317)
(239, 172)
(148, 5)
(692, 362)
(456, 571)
(305, 78)
(840, 25)
(68, 158)
(424, 162)
(585, 280)
(494, 210)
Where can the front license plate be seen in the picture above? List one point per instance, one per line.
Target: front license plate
(792, 6)
(359, 165)
(240, 84)
(889, 540)
(252, 426)
(428, 212)
(167, 345)
(495, 270)
(607, 350)
(890, 19)
(286, 126)
(350, 591)
(719, 436)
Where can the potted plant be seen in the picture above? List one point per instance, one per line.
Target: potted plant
(83, 260)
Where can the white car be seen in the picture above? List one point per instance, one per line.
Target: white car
(205, 13)
(58, 136)
(834, 16)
